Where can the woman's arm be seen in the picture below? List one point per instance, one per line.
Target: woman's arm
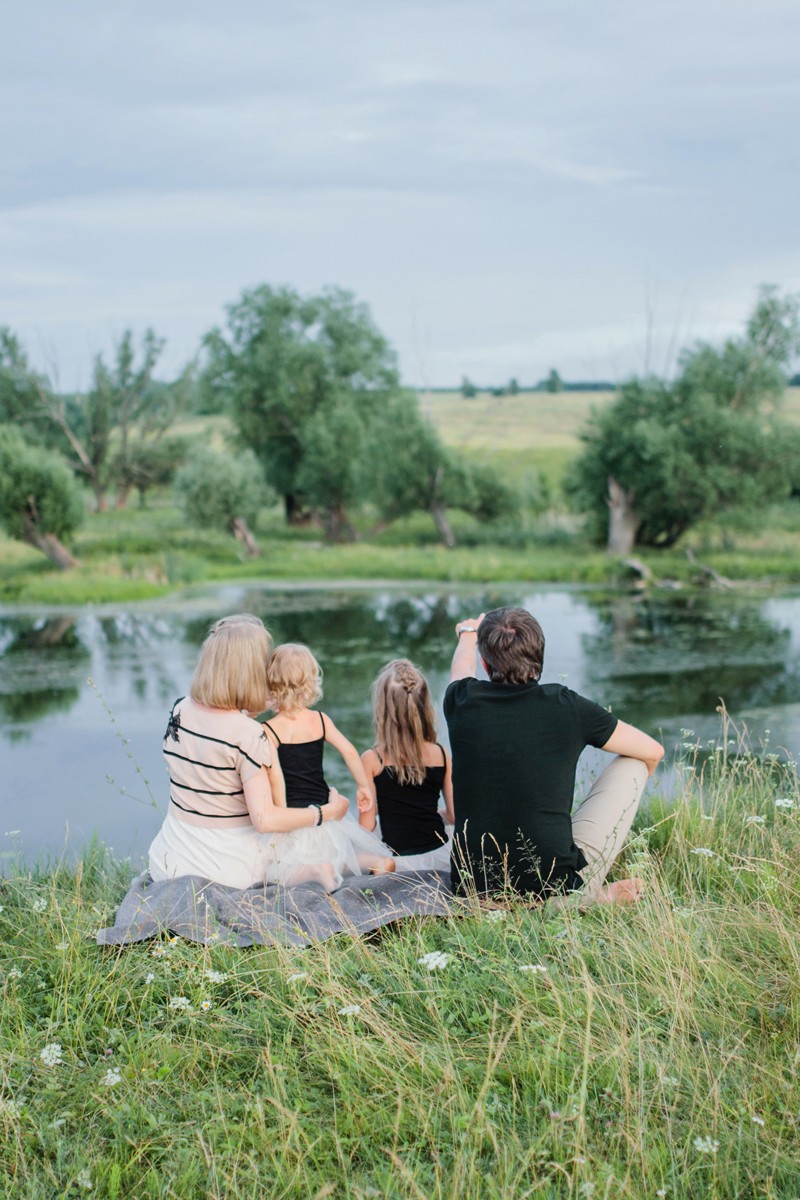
(268, 817)
(365, 788)
(447, 791)
(368, 809)
(631, 742)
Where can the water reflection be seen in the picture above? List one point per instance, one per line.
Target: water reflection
(86, 756)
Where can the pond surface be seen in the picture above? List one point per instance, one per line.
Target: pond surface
(84, 694)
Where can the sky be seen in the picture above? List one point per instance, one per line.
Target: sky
(509, 186)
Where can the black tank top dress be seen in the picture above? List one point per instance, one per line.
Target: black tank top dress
(301, 763)
(409, 812)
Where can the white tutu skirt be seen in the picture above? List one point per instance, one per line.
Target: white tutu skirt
(348, 848)
(242, 858)
(431, 860)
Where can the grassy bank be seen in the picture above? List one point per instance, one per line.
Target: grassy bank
(141, 554)
(631, 1053)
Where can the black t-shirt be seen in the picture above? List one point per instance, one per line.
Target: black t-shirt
(515, 748)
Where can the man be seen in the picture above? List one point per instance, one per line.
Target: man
(515, 745)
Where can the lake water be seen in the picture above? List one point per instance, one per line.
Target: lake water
(84, 694)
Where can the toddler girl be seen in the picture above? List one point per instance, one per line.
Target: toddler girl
(409, 770)
(299, 734)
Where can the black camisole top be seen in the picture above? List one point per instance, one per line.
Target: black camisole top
(301, 763)
(409, 812)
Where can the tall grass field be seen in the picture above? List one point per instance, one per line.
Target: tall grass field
(512, 1051)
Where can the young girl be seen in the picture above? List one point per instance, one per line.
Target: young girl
(409, 770)
(299, 734)
(226, 819)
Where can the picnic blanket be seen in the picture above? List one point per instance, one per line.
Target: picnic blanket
(209, 913)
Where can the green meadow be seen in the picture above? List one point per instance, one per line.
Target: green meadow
(644, 1052)
(145, 552)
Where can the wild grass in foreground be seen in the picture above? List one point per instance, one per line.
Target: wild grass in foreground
(635, 1053)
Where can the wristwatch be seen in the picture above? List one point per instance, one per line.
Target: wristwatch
(466, 629)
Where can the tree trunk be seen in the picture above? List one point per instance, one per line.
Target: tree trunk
(49, 545)
(337, 526)
(100, 501)
(623, 523)
(123, 493)
(296, 512)
(439, 514)
(242, 533)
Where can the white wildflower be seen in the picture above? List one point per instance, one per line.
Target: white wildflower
(434, 960)
(704, 852)
(12, 833)
(2, 907)
(178, 1002)
(755, 819)
(536, 968)
(670, 1080)
(706, 817)
(758, 1120)
(496, 914)
(216, 976)
(84, 1179)
(350, 1010)
(51, 1055)
(587, 1189)
(149, 977)
(158, 951)
(660, 1192)
(784, 802)
(39, 904)
(12, 1108)
(15, 973)
(298, 975)
(205, 1005)
(62, 946)
(112, 1077)
(706, 1145)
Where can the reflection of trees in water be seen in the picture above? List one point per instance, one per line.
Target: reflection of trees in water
(681, 654)
(38, 658)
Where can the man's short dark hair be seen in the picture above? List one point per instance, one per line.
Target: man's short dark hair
(511, 643)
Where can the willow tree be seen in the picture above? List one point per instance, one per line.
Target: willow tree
(666, 454)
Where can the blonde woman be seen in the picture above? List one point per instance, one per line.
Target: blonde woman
(299, 735)
(410, 771)
(227, 821)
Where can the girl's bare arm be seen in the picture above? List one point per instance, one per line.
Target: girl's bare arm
(447, 791)
(368, 814)
(276, 780)
(365, 788)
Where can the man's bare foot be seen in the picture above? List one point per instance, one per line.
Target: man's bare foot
(624, 891)
(383, 866)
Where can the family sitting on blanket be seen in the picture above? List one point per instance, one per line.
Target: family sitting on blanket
(249, 803)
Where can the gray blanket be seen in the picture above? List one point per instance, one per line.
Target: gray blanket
(295, 916)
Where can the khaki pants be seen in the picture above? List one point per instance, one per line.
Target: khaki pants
(602, 822)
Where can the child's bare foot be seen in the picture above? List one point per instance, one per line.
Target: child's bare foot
(323, 873)
(383, 866)
(624, 891)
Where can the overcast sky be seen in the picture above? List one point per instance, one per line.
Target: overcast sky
(510, 186)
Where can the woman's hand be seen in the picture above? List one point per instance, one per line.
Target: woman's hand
(337, 806)
(364, 801)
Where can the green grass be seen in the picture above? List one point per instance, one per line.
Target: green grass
(655, 1054)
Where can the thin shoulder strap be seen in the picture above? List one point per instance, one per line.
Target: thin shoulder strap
(322, 719)
(272, 731)
(377, 751)
(444, 754)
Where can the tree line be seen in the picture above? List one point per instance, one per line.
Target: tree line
(323, 422)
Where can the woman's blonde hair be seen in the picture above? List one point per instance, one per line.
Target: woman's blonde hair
(232, 669)
(404, 720)
(294, 677)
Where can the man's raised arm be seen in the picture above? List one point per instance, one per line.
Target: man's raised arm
(465, 657)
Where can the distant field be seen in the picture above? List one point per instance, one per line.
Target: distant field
(532, 430)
